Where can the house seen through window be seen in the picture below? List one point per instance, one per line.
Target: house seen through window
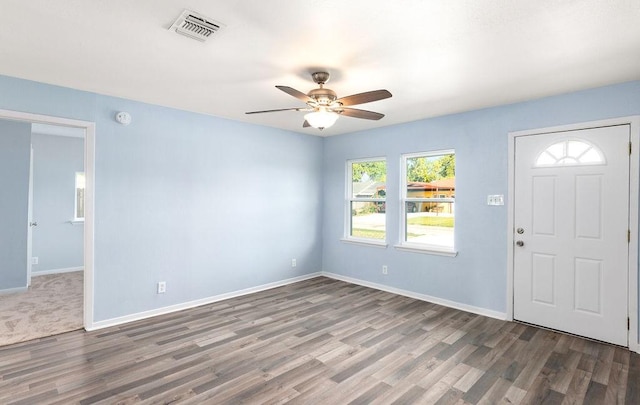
(428, 200)
(366, 199)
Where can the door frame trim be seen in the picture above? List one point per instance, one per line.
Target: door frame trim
(30, 219)
(89, 197)
(634, 180)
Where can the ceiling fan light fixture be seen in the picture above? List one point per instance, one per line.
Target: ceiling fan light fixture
(324, 106)
(321, 119)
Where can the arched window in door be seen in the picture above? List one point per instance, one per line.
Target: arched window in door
(570, 153)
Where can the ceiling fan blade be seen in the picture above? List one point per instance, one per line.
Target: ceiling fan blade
(280, 109)
(366, 97)
(305, 124)
(295, 93)
(356, 113)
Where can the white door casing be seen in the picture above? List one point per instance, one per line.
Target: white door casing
(89, 167)
(30, 219)
(571, 203)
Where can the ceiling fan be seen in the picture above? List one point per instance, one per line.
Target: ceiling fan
(324, 107)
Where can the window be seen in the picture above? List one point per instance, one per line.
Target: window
(428, 201)
(570, 153)
(366, 200)
(78, 212)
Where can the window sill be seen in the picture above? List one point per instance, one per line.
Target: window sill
(428, 250)
(77, 222)
(365, 242)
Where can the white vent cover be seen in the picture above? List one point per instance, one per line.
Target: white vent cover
(196, 26)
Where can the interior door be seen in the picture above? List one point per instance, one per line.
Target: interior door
(571, 221)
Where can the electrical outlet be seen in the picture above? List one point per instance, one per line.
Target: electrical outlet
(34, 260)
(293, 263)
(162, 287)
(384, 269)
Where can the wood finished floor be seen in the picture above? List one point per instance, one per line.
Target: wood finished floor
(320, 341)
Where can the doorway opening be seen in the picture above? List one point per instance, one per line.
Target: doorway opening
(81, 268)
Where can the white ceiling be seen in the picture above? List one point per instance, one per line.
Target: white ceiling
(435, 57)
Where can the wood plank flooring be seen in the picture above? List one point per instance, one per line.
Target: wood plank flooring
(320, 341)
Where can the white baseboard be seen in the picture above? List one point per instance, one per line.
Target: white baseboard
(209, 300)
(421, 297)
(56, 271)
(196, 303)
(13, 290)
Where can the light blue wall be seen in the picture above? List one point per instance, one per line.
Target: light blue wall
(57, 244)
(206, 204)
(14, 197)
(478, 275)
(213, 206)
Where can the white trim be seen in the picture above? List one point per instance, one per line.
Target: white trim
(57, 271)
(510, 220)
(30, 217)
(89, 221)
(13, 290)
(634, 179)
(634, 207)
(422, 297)
(365, 242)
(55, 130)
(426, 249)
(368, 159)
(89, 168)
(429, 153)
(196, 303)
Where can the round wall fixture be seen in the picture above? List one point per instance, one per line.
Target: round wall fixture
(123, 117)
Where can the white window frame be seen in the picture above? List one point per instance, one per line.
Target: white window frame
(77, 219)
(416, 246)
(349, 199)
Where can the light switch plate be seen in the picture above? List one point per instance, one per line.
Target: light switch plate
(497, 199)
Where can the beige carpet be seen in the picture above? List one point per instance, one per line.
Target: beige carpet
(52, 305)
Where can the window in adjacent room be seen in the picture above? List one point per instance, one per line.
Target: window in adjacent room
(78, 212)
(366, 200)
(428, 201)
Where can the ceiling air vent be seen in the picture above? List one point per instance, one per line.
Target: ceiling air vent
(196, 26)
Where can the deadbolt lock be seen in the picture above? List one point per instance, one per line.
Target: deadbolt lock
(520, 231)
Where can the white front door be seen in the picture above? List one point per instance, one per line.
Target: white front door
(571, 222)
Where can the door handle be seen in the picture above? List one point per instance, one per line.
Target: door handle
(520, 243)
(33, 224)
